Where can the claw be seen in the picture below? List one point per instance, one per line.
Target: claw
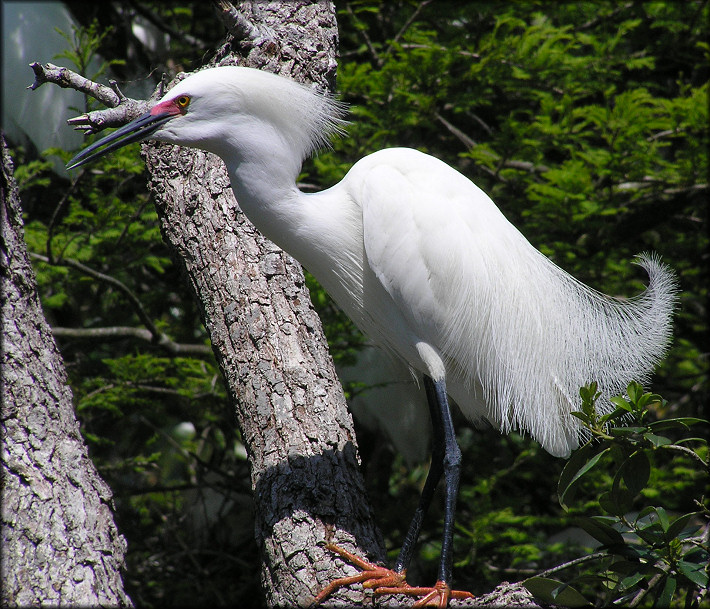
(386, 581)
(371, 576)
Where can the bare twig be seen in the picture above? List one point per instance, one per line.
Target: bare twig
(178, 34)
(120, 109)
(693, 189)
(240, 26)
(644, 591)
(151, 334)
(460, 135)
(118, 332)
(685, 450)
(406, 25)
(666, 133)
(95, 121)
(55, 215)
(572, 563)
(134, 217)
(368, 43)
(137, 306)
(601, 18)
(481, 122)
(471, 143)
(68, 79)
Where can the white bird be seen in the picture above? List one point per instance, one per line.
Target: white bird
(428, 267)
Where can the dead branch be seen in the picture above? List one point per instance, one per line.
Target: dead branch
(122, 287)
(240, 26)
(118, 332)
(120, 110)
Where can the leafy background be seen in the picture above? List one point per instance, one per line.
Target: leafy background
(586, 122)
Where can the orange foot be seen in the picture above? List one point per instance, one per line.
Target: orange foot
(385, 581)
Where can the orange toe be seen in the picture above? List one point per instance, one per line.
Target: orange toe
(386, 581)
(372, 576)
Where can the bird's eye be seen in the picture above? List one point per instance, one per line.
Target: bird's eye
(183, 102)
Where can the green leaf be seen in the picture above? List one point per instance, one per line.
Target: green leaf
(555, 592)
(620, 402)
(617, 501)
(666, 596)
(685, 440)
(601, 531)
(657, 440)
(619, 431)
(585, 418)
(676, 527)
(631, 580)
(649, 509)
(663, 518)
(695, 572)
(589, 393)
(618, 413)
(636, 472)
(675, 423)
(574, 470)
(634, 389)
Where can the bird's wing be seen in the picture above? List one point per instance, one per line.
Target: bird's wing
(431, 237)
(502, 316)
(456, 270)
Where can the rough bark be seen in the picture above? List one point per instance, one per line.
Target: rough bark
(267, 338)
(60, 544)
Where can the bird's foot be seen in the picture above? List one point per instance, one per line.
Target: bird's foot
(437, 595)
(371, 576)
(386, 581)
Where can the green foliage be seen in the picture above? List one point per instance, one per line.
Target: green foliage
(84, 43)
(644, 550)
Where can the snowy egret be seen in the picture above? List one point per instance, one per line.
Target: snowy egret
(427, 266)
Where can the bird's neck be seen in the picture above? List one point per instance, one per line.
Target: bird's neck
(323, 231)
(265, 188)
(262, 168)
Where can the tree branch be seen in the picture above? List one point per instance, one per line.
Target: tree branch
(685, 450)
(68, 79)
(138, 307)
(117, 332)
(368, 43)
(597, 20)
(241, 27)
(153, 18)
(470, 143)
(405, 27)
(572, 563)
(121, 109)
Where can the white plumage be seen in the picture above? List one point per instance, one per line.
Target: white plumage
(420, 258)
(424, 262)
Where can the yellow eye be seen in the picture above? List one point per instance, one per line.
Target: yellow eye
(183, 102)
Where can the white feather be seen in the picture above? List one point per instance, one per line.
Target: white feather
(425, 263)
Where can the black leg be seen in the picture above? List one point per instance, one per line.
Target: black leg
(452, 471)
(446, 459)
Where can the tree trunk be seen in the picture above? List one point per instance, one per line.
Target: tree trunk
(60, 544)
(267, 338)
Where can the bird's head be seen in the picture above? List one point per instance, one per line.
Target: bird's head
(230, 110)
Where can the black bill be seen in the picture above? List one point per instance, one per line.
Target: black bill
(134, 131)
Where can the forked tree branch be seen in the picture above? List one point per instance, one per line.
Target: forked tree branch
(243, 28)
(120, 110)
(117, 332)
(150, 334)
